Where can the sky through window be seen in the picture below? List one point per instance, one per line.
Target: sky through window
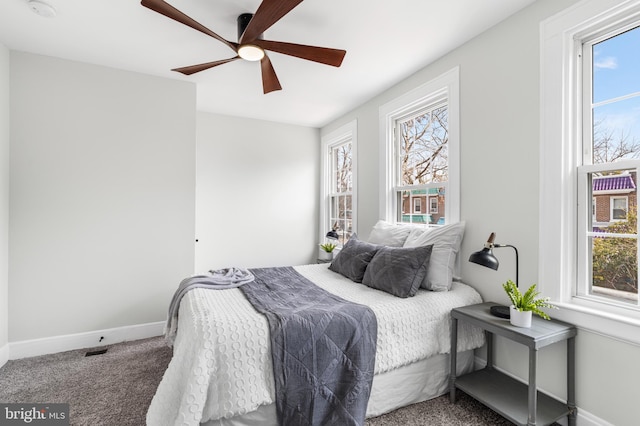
(616, 73)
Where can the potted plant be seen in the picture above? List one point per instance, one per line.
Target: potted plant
(326, 251)
(524, 305)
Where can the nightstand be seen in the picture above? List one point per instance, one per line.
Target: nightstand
(519, 402)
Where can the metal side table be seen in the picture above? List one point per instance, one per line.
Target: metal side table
(519, 402)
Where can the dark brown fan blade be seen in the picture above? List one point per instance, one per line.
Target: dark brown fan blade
(269, 12)
(169, 11)
(270, 82)
(323, 55)
(192, 69)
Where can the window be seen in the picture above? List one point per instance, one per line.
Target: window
(608, 254)
(433, 205)
(338, 192)
(419, 153)
(619, 208)
(417, 205)
(341, 192)
(590, 156)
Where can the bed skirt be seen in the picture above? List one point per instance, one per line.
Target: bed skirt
(413, 383)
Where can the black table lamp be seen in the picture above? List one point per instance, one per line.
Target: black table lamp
(333, 234)
(486, 258)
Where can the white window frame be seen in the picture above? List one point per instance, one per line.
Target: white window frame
(446, 87)
(560, 155)
(337, 137)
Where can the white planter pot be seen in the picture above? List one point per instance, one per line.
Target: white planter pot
(520, 318)
(323, 255)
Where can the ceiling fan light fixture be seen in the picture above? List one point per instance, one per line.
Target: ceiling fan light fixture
(250, 52)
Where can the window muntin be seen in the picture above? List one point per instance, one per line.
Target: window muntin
(607, 226)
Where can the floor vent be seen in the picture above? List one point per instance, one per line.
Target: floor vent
(96, 352)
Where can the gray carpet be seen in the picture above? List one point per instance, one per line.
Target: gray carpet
(115, 389)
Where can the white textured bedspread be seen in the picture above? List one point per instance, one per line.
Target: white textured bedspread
(221, 364)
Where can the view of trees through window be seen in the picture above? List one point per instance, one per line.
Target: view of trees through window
(615, 137)
(423, 166)
(340, 216)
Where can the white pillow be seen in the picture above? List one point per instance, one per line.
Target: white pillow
(388, 234)
(446, 242)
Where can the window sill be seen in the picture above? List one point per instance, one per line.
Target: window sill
(606, 324)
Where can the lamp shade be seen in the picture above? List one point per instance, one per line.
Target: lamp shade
(332, 235)
(486, 258)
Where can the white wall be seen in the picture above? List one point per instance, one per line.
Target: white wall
(500, 128)
(4, 204)
(257, 193)
(102, 204)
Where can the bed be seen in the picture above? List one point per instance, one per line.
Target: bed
(221, 372)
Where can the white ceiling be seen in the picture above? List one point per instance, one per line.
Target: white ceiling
(386, 41)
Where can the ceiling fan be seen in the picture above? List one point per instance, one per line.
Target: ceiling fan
(250, 45)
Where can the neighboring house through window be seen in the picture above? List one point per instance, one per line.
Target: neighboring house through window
(420, 154)
(339, 182)
(613, 196)
(590, 139)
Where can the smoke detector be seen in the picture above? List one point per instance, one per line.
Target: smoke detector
(42, 8)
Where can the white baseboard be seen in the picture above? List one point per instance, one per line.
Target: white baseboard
(479, 363)
(50, 345)
(584, 418)
(587, 419)
(4, 354)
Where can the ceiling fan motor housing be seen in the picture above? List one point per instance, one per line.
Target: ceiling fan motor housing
(243, 20)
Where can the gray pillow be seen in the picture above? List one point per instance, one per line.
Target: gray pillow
(353, 259)
(398, 270)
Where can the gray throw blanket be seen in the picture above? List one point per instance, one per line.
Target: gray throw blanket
(323, 349)
(219, 279)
